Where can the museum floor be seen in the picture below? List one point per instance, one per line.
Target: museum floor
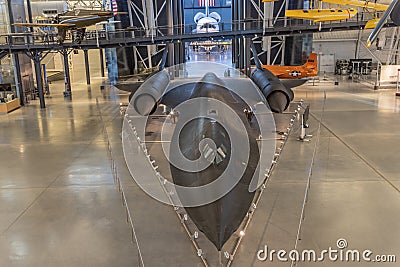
(59, 205)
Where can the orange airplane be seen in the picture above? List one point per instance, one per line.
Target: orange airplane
(309, 69)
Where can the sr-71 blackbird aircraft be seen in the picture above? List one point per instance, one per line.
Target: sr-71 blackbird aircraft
(76, 20)
(219, 219)
(377, 23)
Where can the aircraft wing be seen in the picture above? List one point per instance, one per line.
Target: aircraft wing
(322, 15)
(279, 75)
(44, 24)
(357, 3)
(85, 12)
(371, 24)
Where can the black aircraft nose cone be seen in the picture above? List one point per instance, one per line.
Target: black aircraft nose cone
(278, 101)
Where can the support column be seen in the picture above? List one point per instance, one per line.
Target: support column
(29, 9)
(19, 80)
(85, 52)
(135, 58)
(102, 63)
(357, 53)
(268, 22)
(179, 49)
(246, 42)
(238, 47)
(67, 75)
(37, 58)
(235, 42)
(243, 12)
(247, 56)
(170, 47)
(149, 23)
(182, 55)
(283, 52)
(16, 56)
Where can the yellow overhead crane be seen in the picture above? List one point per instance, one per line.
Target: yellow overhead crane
(322, 15)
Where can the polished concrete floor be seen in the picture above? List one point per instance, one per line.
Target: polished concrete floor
(58, 202)
(59, 205)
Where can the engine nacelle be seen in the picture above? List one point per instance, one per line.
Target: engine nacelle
(278, 95)
(145, 101)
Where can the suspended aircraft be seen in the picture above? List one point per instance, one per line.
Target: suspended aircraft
(309, 69)
(76, 20)
(221, 218)
(322, 15)
(207, 22)
(357, 3)
(366, 5)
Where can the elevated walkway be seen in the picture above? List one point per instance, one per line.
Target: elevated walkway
(40, 42)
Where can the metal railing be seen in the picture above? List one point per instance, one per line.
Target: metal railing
(234, 26)
(120, 187)
(135, 35)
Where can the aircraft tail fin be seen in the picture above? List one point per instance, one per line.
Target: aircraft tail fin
(312, 62)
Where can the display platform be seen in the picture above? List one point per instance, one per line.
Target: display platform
(9, 106)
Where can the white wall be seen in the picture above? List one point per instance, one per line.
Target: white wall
(341, 49)
(343, 45)
(77, 65)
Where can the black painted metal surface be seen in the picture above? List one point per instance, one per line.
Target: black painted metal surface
(219, 219)
(396, 13)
